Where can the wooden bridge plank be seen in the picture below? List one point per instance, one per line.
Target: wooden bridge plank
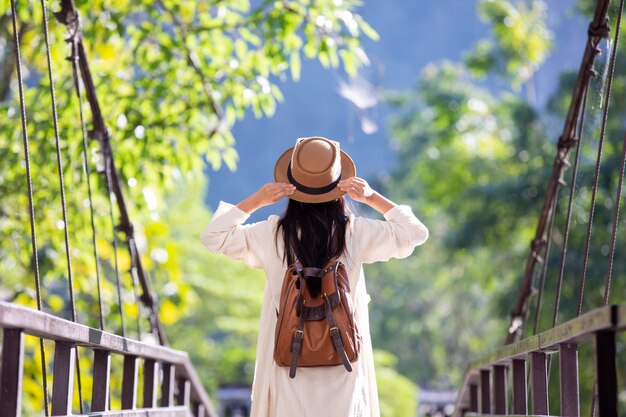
(520, 389)
(485, 391)
(145, 412)
(183, 395)
(150, 383)
(539, 383)
(499, 389)
(568, 372)
(63, 382)
(167, 386)
(606, 376)
(129, 383)
(199, 410)
(473, 406)
(188, 372)
(101, 380)
(11, 373)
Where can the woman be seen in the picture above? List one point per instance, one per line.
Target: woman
(316, 228)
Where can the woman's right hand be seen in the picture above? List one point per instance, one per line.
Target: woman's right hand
(268, 194)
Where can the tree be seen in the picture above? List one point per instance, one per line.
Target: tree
(172, 79)
(472, 161)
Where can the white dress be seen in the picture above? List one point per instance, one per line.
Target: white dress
(324, 391)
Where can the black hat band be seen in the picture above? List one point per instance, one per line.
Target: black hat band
(312, 190)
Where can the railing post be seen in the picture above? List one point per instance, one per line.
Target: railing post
(167, 386)
(473, 398)
(606, 374)
(199, 410)
(520, 389)
(63, 382)
(129, 383)
(568, 366)
(485, 391)
(12, 371)
(101, 380)
(539, 383)
(184, 391)
(499, 389)
(150, 383)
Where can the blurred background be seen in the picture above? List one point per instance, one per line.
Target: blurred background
(453, 107)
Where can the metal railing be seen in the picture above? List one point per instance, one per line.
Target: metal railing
(171, 386)
(164, 369)
(485, 389)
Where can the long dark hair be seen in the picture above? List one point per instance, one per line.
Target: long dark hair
(313, 234)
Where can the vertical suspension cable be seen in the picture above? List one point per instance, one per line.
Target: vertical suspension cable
(570, 204)
(74, 59)
(55, 122)
(133, 277)
(544, 269)
(607, 283)
(605, 113)
(115, 256)
(62, 187)
(31, 207)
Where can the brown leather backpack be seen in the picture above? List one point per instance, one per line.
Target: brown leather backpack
(316, 331)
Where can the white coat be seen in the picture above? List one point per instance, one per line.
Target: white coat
(324, 391)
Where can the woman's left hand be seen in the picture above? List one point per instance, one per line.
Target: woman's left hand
(357, 188)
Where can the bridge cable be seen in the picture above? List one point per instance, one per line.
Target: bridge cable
(74, 60)
(572, 191)
(62, 189)
(31, 207)
(116, 263)
(545, 264)
(601, 142)
(607, 284)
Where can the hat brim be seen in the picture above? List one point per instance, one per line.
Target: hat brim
(348, 170)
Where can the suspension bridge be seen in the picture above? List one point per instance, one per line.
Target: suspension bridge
(510, 380)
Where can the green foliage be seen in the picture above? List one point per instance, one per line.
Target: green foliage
(217, 301)
(172, 79)
(521, 40)
(397, 394)
(473, 164)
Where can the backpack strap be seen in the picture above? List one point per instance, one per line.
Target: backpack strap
(319, 312)
(336, 336)
(296, 345)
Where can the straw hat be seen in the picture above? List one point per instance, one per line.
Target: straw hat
(314, 165)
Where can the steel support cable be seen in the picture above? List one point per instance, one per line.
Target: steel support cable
(605, 112)
(570, 204)
(73, 58)
(62, 188)
(544, 269)
(597, 29)
(133, 277)
(57, 143)
(68, 15)
(607, 283)
(31, 207)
